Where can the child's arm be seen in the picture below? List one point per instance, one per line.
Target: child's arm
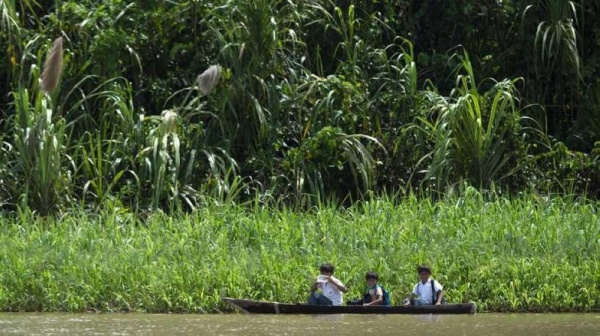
(377, 302)
(337, 283)
(440, 296)
(439, 293)
(314, 286)
(411, 296)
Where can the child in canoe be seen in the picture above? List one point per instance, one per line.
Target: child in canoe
(428, 291)
(331, 288)
(375, 295)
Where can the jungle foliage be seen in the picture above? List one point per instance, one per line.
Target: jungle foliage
(173, 104)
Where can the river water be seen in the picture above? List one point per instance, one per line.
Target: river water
(239, 324)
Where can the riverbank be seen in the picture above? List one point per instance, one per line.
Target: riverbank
(529, 254)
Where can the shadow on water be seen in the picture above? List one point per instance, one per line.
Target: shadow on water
(305, 325)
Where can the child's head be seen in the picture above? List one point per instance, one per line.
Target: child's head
(424, 272)
(371, 278)
(326, 269)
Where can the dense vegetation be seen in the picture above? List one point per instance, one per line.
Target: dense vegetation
(155, 155)
(529, 254)
(308, 99)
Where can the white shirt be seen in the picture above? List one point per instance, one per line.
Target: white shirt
(423, 291)
(332, 293)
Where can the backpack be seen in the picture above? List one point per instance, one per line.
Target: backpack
(434, 294)
(386, 297)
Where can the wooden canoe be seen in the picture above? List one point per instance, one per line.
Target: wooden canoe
(264, 307)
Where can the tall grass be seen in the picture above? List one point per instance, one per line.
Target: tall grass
(473, 132)
(330, 150)
(9, 22)
(40, 138)
(526, 254)
(556, 57)
(257, 42)
(318, 98)
(556, 37)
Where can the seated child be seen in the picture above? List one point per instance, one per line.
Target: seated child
(427, 291)
(374, 294)
(330, 287)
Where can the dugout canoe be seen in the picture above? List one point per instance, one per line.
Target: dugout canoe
(265, 307)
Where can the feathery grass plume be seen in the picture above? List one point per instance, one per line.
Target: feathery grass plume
(208, 79)
(52, 67)
(169, 118)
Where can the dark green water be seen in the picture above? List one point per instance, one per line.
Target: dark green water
(237, 324)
